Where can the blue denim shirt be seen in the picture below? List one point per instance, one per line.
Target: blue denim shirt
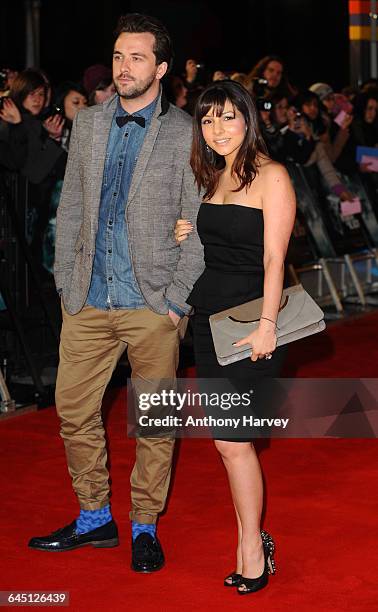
(113, 284)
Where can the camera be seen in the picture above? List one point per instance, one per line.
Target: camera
(50, 111)
(262, 104)
(3, 79)
(297, 120)
(259, 87)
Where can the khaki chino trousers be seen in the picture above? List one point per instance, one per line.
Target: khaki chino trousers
(91, 343)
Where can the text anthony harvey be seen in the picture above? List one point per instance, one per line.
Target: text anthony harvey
(209, 421)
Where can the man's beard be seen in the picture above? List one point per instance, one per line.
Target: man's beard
(136, 89)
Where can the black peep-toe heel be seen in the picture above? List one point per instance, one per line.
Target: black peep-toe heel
(255, 584)
(235, 580)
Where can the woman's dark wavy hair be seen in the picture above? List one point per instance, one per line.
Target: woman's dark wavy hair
(258, 70)
(361, 101)
(206, 163)
(25, 83)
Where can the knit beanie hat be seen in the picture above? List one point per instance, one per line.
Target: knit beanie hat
(94, 75)
(321, 89)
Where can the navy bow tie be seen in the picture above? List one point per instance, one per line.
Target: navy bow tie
(123, 119)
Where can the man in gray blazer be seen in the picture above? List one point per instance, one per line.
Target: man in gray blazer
(123, 281)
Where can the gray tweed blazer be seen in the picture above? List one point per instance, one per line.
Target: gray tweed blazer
(162, 191)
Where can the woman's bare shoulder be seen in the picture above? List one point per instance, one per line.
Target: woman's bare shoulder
(271, 170)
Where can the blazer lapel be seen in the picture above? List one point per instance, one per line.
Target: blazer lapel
(144, 156)
(101, 129)
(146, 150)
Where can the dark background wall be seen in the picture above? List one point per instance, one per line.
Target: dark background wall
(311, 35)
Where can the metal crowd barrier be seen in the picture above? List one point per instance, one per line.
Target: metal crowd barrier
(28, 333)
(344, 249)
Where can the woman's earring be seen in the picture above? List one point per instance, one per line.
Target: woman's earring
(207, 149)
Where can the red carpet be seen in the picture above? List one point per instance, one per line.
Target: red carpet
(321, 509)
(348, 349)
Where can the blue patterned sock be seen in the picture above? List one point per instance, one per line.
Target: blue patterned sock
(91, 519)
(138, 528)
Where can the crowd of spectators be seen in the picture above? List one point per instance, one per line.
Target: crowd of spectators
(35, 127)
(314, 127)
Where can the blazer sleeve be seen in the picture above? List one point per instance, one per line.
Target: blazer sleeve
(70, 212)
(191, 261)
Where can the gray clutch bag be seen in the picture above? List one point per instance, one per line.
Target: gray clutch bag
(299, 316)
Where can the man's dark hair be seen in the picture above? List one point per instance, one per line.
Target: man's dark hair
(135, 23)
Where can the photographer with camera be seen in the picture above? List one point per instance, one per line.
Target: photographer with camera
(24, 106)
(69, 98)
(194, 80)
(192, 77)
(35, 140)
(283, 143)
(271, 69)
(268, 127)
(287, 135)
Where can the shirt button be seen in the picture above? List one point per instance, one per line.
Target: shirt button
(109, 250)
(110, 221)
(126, 134)
(120, 164)
(115, 193)
(110, 278)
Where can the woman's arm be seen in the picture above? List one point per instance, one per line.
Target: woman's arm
(279, 215)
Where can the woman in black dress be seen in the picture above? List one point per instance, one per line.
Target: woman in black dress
(245, 223)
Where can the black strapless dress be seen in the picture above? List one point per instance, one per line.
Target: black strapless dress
(233, 240)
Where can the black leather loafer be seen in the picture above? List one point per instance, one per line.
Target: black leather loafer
(67, 538)
(147, 554)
